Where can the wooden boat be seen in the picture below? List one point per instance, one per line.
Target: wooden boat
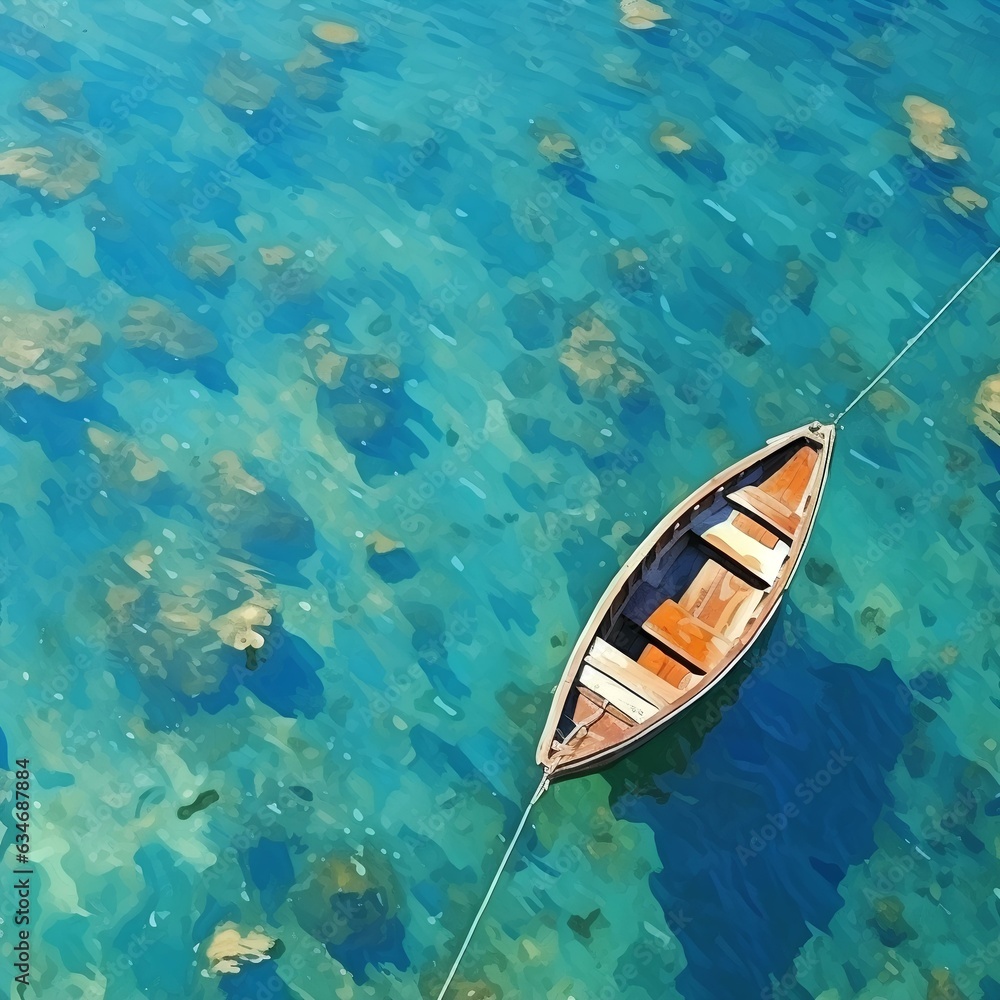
(687, 604)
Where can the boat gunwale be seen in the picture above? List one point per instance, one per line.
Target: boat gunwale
(824, 437)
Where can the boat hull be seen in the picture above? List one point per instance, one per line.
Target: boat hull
(608, 703)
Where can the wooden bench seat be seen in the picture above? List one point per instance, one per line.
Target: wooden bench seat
(685, 635)
(624, 699)
(762, 506)
(721, 599)
(756, 558)
(624, 670)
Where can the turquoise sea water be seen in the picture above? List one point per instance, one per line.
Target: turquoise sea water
(339, 379)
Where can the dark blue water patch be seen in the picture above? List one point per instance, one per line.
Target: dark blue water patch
(535, 433)
(379, 944)
(434, 755)
(410, 168)
(133, 232)
(952, 242)
(642, 415)
(878, 448)
(832, 250)
(824, 26)
(990, 448)
(931, 684)
(394, 566)
(110, 107)
(491, 224)
(781, 800)
(708, 161)
(255, 980)
(287, 674)
(4, 760)
(70, 507)
(990, 988)
(276, 132)
(284, 674)
(533, 319)
(213, 913)
(430, 642)
(208, 369)
(370, 413)
(57, 426)
(284, 307)
(268, 866)
(573, 177)
(274, 529)
(320, 87)
(861, 223)
(56, 284)
(431, 896)
(795, 137)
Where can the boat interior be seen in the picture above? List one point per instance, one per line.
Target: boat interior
(681, 617)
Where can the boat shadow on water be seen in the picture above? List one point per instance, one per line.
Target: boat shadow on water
(760, 799)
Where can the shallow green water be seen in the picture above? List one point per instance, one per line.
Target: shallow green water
(392, 351)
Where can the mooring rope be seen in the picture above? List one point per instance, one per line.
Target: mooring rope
(493, 885)
(885, 371)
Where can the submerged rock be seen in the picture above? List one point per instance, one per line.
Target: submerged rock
(986, 408)
(927, 124)
(667, 136)
(124, 454)
(236, 628)
(324, 363)
(640, 15)
(237, 83)
(963, 200)
(57, 100)
(942, 986)
(892, 929)
(62, 173)
(588, 354)
(275, 256)
(229, 949)
(207, 259)
(334, 33)
(149, 323)
(558, 147)
(45, 350)
(350, 904)
(232, 473)
(871, 50)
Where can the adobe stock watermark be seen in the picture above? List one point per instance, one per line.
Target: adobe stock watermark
(805, 793)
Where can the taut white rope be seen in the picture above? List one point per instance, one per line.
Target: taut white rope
(496, 880)
(885, 371)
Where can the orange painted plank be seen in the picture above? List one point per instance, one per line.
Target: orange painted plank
(665, 666)
(789, 484)
(688, 636)
(724, 603)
